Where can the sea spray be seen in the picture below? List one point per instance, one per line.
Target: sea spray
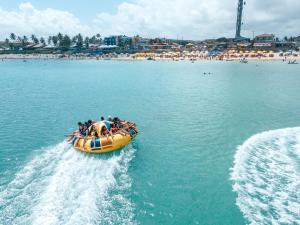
(63, 186)
(266, 177)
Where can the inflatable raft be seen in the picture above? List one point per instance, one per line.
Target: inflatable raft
(102, 143)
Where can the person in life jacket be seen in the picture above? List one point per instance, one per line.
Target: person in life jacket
(93, 131)
(108, 122)
(104, 131)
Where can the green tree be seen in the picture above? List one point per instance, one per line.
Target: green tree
(55, 40)
(12, 36)
(79, 43)
(98, 39)
(135, 40)
(36, 40)
(7, 42)
(60, 38)
(87, 42)
(42, 40)
(49, 40)
(24, 41)
(66, 42)
(74, 40)
(93, 40)
(33, 37)
(131, 42)
(25, 38)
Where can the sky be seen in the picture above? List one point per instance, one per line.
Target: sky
(187, 19)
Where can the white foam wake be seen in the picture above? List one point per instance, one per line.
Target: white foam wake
(63, 186)
(266, 177)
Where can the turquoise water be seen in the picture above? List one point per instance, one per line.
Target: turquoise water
(188, 165)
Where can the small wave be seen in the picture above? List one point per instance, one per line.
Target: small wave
(63, 186)
(266, 177)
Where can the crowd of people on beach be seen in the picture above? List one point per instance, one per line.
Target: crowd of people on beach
(111, 126)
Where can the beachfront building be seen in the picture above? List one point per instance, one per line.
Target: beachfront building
(264, 42)
(13, 45)
(142, 43)
(208, 44)
(285, 45)
(33, 46)
(265, 38)
(4, 45)
(189, 46)
(108, 48)
(159, 47)
(243, 46)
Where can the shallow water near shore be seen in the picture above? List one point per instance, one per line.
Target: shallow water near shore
(187, 166)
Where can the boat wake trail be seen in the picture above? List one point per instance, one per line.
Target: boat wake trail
(63, 186)
(266, 177)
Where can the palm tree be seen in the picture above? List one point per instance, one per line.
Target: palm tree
(79, 43)
(25, 39)
(99, 39)
(32, 37)
(55, 40)
(36, 40)
(7, 42)
(74, 39)
(86, 42)
(66, 42)
(60, 37)
(49, 40)
(93, 40)
(135, 40)
(42, 40)
(12, 36)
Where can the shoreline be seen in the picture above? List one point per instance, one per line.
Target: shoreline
(133, 57)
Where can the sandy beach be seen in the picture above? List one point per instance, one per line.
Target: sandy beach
(167, 56)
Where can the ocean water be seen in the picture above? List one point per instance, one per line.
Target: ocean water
(218, 148)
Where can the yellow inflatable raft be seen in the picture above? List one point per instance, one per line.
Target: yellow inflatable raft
(100, 143)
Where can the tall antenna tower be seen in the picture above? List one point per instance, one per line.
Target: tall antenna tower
(239, 20)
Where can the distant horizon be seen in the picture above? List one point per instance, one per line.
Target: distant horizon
(179, 19)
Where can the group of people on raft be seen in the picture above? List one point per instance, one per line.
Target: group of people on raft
(112, 126)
